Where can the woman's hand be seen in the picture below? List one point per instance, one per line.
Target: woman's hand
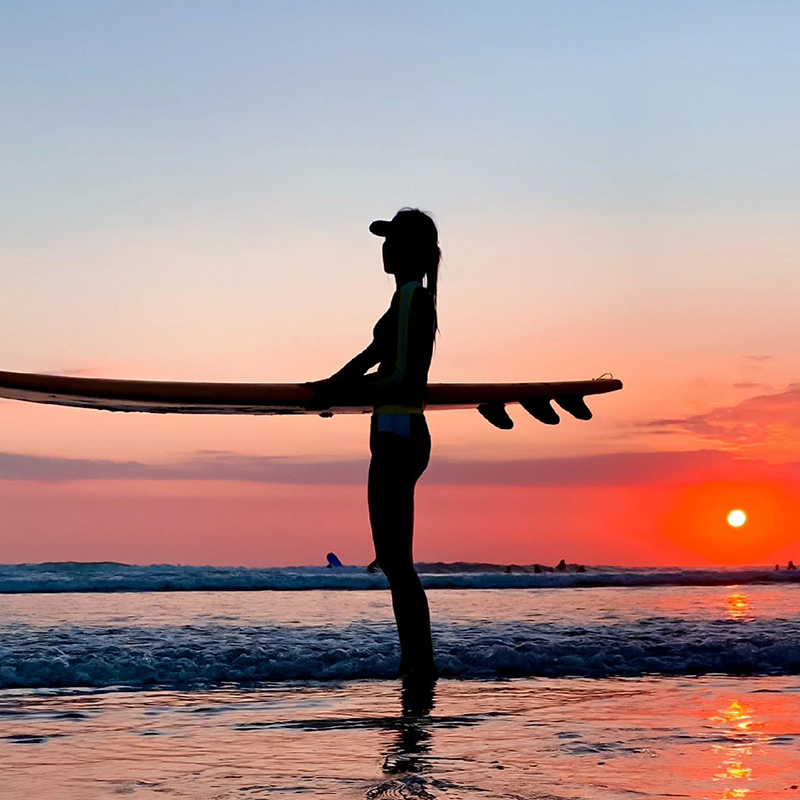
(343, 381)
(322, 394)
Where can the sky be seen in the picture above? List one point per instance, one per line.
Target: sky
(186, 191)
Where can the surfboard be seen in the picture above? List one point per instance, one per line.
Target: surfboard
(182, 397)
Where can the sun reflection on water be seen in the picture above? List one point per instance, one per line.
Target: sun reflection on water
(735, 769)
(739, 606)
(738, 715)
(739, 725)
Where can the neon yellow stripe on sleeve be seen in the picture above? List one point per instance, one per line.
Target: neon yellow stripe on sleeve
(402, 329)
(403, 316)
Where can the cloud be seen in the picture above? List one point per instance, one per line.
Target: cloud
(757, 359)
(17, 466)
(611, 469)
(767, 419)
(204, 465)
(608, 469)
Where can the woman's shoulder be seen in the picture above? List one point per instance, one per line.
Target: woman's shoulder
(421, 296)
(413, 297)
(413, 290)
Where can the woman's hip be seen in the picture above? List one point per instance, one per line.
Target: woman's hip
(400, 440)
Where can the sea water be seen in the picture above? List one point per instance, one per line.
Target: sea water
(221, 683)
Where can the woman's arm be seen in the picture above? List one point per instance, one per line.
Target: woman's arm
(415, 324)
(345, 378)
(356, 367)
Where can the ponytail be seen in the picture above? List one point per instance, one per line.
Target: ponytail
(423, 248)
(431, 284)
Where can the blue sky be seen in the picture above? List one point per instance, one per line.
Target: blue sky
(258, 115)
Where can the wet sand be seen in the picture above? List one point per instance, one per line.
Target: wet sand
(608, 739)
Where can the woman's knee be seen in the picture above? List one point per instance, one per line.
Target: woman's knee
(398, 570)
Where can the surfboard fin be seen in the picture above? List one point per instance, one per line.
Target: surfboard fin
(574, 405)
(496, 414)
(540, 409)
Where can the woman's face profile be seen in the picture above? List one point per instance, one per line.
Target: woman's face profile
(390, 256)
(399, 258)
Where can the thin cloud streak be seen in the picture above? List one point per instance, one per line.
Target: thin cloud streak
(612, 469)
(763, 419)
(757, 359)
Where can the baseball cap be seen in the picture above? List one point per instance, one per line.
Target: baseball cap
(409, 223)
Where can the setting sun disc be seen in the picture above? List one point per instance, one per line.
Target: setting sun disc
(737, 518)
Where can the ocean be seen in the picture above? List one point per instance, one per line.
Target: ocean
(222, 682)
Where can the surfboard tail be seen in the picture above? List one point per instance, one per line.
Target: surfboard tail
(541, 410)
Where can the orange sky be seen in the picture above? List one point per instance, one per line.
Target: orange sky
(614, 193)
(225, 507)
(697, 430)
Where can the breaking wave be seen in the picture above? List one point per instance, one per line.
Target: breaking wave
(113, 577)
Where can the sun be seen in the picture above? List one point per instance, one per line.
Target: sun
(702, 518)
(737, 518)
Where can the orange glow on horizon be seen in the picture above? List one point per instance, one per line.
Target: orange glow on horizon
(699, 519)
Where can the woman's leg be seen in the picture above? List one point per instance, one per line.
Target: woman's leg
(394, 470)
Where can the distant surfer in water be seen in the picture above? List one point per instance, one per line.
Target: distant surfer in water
(400, 443)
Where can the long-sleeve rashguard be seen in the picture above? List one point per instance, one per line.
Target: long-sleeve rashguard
(402, 346)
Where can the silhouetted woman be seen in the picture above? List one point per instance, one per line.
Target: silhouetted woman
(400, 444)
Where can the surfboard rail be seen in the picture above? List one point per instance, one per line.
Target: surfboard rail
(185, 397)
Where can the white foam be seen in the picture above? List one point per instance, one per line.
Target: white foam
(186, 656)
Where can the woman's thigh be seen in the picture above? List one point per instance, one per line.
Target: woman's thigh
(394, 470)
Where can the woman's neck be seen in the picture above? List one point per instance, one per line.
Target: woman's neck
(401, 279)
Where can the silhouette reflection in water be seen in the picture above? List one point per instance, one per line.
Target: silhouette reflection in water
(407, 757)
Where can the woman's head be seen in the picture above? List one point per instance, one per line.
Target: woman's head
(411, 242)
(411, 246)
